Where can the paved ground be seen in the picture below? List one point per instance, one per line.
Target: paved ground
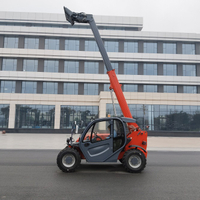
(34, 175)
(58, 141)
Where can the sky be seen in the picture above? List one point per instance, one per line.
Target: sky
(158, 15)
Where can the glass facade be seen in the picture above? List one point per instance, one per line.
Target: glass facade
(190, 89)
(150, 47)
(150, 69)
(31, 43)
(52, 44)
(163, 117)
(169, 48)
(130, 88)
(91, 45)
(188, 48)
(83, 115)
(170, 89)
(51, 65)
(8, 86)
(131, 68)
(91, 89)
(11, 42)
(150, 88)
(111, 46)
(50, 88)
(70, 88)
(30, 65)
(4, 115)
(72, 45)
(9, 64)
(91, 67)
(169, 70)
(29, 87)
(34, 116)
(189, 70)
(71, 67)
(131, 47)
(106, 87)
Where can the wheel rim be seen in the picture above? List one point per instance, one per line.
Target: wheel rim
(134, 161)
(68, 160)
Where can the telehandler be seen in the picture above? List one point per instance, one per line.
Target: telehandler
(108, 139)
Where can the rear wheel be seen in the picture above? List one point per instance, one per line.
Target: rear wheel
(134, 161)
(68, 160)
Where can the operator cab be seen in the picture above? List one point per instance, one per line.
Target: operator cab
(104, 139)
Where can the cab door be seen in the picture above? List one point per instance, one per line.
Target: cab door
(97, 142)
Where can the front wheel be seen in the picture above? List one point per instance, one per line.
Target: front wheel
(134, 161)
(68, 160)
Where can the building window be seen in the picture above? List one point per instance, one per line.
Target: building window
(150, 69)
(188, 48)
(130, 88)
(83, 115)
(170, 89)
(91, 89)
(150, 47)
(30, 65)
(72, 45)
(111, 46)
(34, 116)
(106, 87)
(169, 70)
(169, 48)
(131, 68)
(11, 42)
(71, 67)
(189, 70)
(50, 88)
(114, 65)
(31, 43)
(163, 117)
(189, 89)
(91, 45)
(70, 88)
(9, 64)
(51, 65)
(131, 47)
(4, 115)
(8, 86)
(150, 88)
(52, 44)
(91, 67)
(29, 87)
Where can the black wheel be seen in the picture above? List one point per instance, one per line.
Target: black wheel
(68, 159)
(134, 161)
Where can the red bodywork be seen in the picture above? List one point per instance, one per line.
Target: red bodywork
(137, 136)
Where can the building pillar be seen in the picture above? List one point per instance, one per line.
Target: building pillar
(160, 69)
(121, 46)
(179, 48)
(82, 45)
(61, 66)
(62, 44)
(57, 117)
(140, 68)
(41, 43)
(1, 41)
(179, 70)
(197, 48)
(101, 67)
(198, 69)
(160, 47)
(140, 46)
(21, 42)
(121, 68)
(19, 64)
(11, 121)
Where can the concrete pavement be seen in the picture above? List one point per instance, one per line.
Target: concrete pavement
(58, 141)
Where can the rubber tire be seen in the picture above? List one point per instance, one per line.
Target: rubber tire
(71, 152)
(139, 155)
